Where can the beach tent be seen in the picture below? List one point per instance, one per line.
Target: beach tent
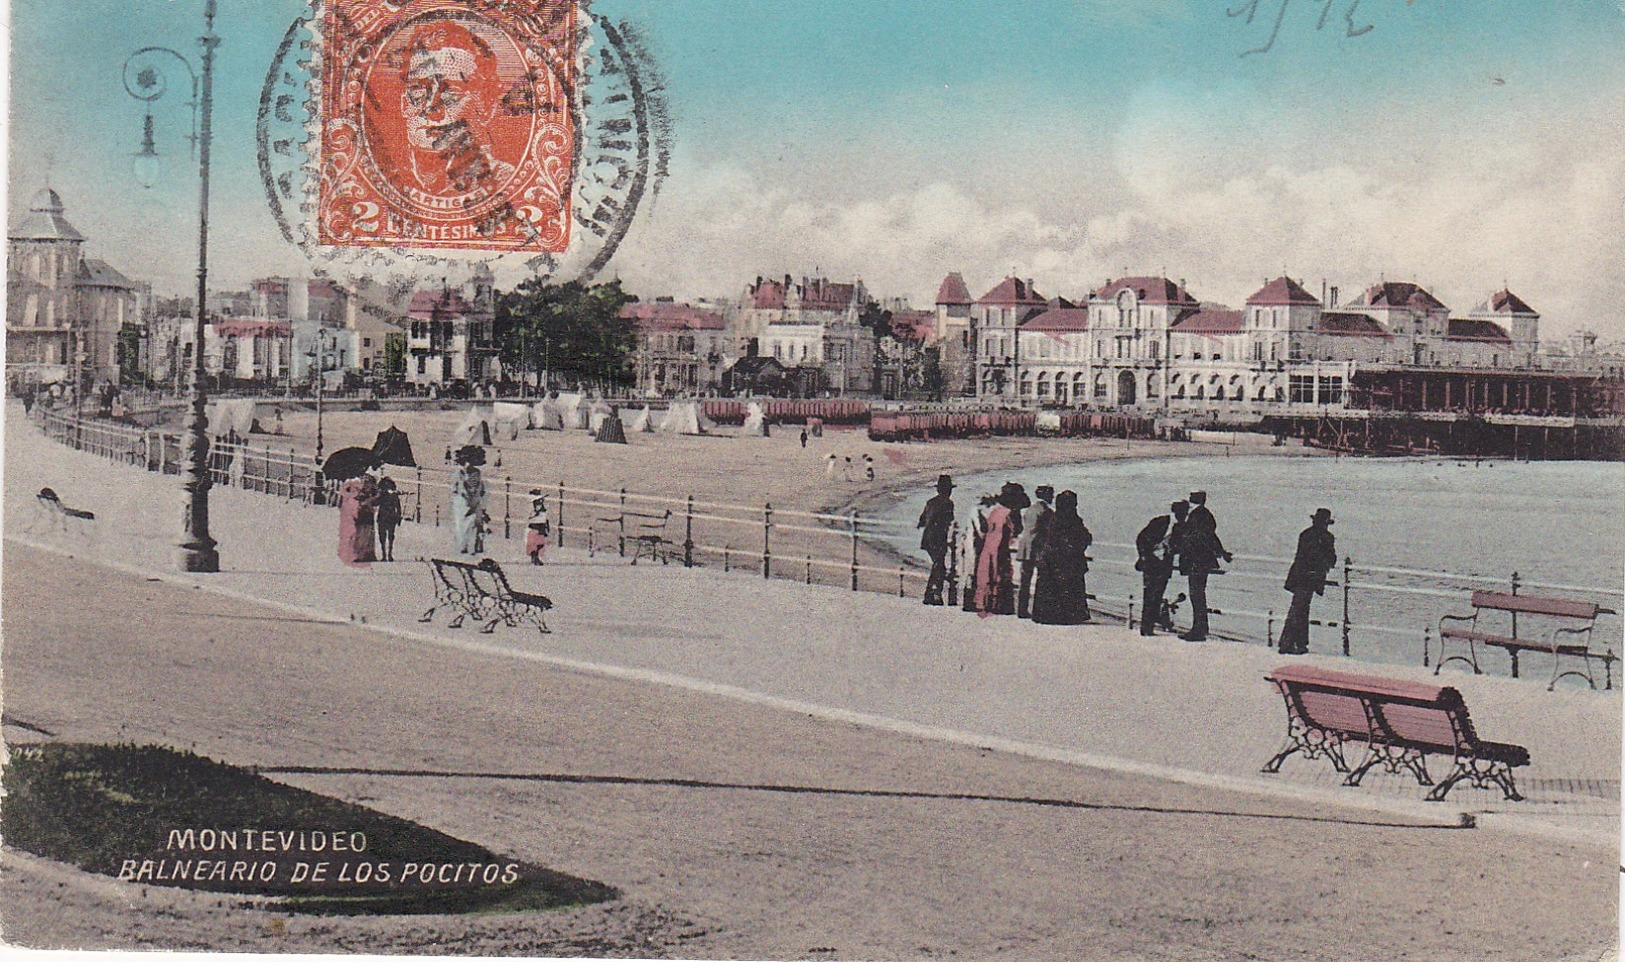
(232, 416)
(642, 422)
(507, 419)
(596, 414)
(755, 419)
(685, 418)
(473, 431)
(1047, 422)
(546, 415)
(573, 410)
(610, 429)
(393, 447)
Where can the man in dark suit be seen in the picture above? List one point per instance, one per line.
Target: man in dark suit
(1199, 552)
(936, 520)
(1316, 556)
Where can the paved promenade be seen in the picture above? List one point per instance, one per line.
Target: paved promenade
(722, 709)
(1098, 695)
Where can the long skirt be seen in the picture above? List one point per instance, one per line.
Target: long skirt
(355, 536)
(465, 524)
(1061, 597)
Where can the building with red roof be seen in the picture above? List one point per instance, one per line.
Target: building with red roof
(811, 322)
(451, 335)
(682, 349)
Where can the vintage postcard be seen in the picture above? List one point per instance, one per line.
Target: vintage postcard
(787, 480)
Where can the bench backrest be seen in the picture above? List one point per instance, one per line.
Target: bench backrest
(1525, 604)
(496, 581)
(1364, 706)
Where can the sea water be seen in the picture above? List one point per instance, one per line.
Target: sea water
(1557, 525)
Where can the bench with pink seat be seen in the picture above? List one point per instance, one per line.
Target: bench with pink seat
(1399, 723)
(1465, 633)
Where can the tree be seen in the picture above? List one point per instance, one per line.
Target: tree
(130, 372)
(394, 355)
(572, 329)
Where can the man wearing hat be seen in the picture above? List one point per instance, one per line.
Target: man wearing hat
(1317, 555)
(1199, 551)
(1031, 545)
(936, 520)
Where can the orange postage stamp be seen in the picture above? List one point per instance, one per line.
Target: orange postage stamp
(447, 124)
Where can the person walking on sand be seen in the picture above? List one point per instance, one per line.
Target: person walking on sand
(829, 467)
(538, 528)
(1316, 556)
(1199, 551)
(1031, 545)
(936, 520)
(389, 517)
(868, 467)
(848, 470)
(1062, 596)
(1156, 564)
(803, 437)
(358, 504)
(995, 580)
(468, 501)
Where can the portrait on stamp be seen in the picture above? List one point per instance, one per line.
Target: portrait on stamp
(446, 125)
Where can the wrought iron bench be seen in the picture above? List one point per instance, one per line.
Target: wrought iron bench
(1572, 642)
(646, 532)
(1400, 723)
(481, 591)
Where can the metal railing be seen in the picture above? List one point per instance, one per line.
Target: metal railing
(1376, 611)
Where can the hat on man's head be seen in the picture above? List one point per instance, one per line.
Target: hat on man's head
(471, 456)
(1178, 505)
(945, 483)
(1045, 492)
(1323, 515)
(1198, 496)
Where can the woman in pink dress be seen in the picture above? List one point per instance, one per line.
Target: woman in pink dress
(995, 580)
(358, 505)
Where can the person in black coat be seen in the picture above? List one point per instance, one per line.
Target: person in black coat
(1156, 565)
(936, 520)
(1062, 561)
(1199, 551)
(1316, 556)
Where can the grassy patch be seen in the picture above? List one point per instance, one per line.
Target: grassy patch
(156, 815)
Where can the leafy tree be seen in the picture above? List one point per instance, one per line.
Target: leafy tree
(572, 330)
(394, 355)
(129, 355)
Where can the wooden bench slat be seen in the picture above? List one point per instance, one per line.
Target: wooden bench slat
(1408, 690)
(1525, 604)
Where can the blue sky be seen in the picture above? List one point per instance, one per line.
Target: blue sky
(1462, 144)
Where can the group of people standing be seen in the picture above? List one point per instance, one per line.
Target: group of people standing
(1051, 543)
(1047, 537)
(369, 514)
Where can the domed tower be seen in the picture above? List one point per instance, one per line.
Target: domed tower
(43, 255)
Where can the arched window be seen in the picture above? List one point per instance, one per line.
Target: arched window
(1151, 387)
(1043, 385)
(1026, 384)
(1100, 385)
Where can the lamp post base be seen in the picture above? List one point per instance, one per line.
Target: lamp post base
(198, 559)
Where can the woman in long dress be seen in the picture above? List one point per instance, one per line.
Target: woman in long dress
(358, 504)
(995, 579)
(1062, 596)
(468, 501)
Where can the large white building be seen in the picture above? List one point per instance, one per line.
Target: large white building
(1145, 342)
(812, 323)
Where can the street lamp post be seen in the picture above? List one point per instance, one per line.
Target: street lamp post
(197, 551)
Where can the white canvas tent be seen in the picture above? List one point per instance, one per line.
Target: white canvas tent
(475, 430)
(596, 414)
(507, 419)
(755, 419)
(231, 416)
(546, 415)
(572, 409)
(685, 418)
(641, 422)
(1047, 422)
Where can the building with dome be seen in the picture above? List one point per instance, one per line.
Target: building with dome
(64, 311)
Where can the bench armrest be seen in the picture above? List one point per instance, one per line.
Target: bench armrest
(1468, 619)
(1586, 630)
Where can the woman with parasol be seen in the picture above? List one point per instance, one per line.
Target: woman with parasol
(995, 582)
(468, 500)
(358, 504)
